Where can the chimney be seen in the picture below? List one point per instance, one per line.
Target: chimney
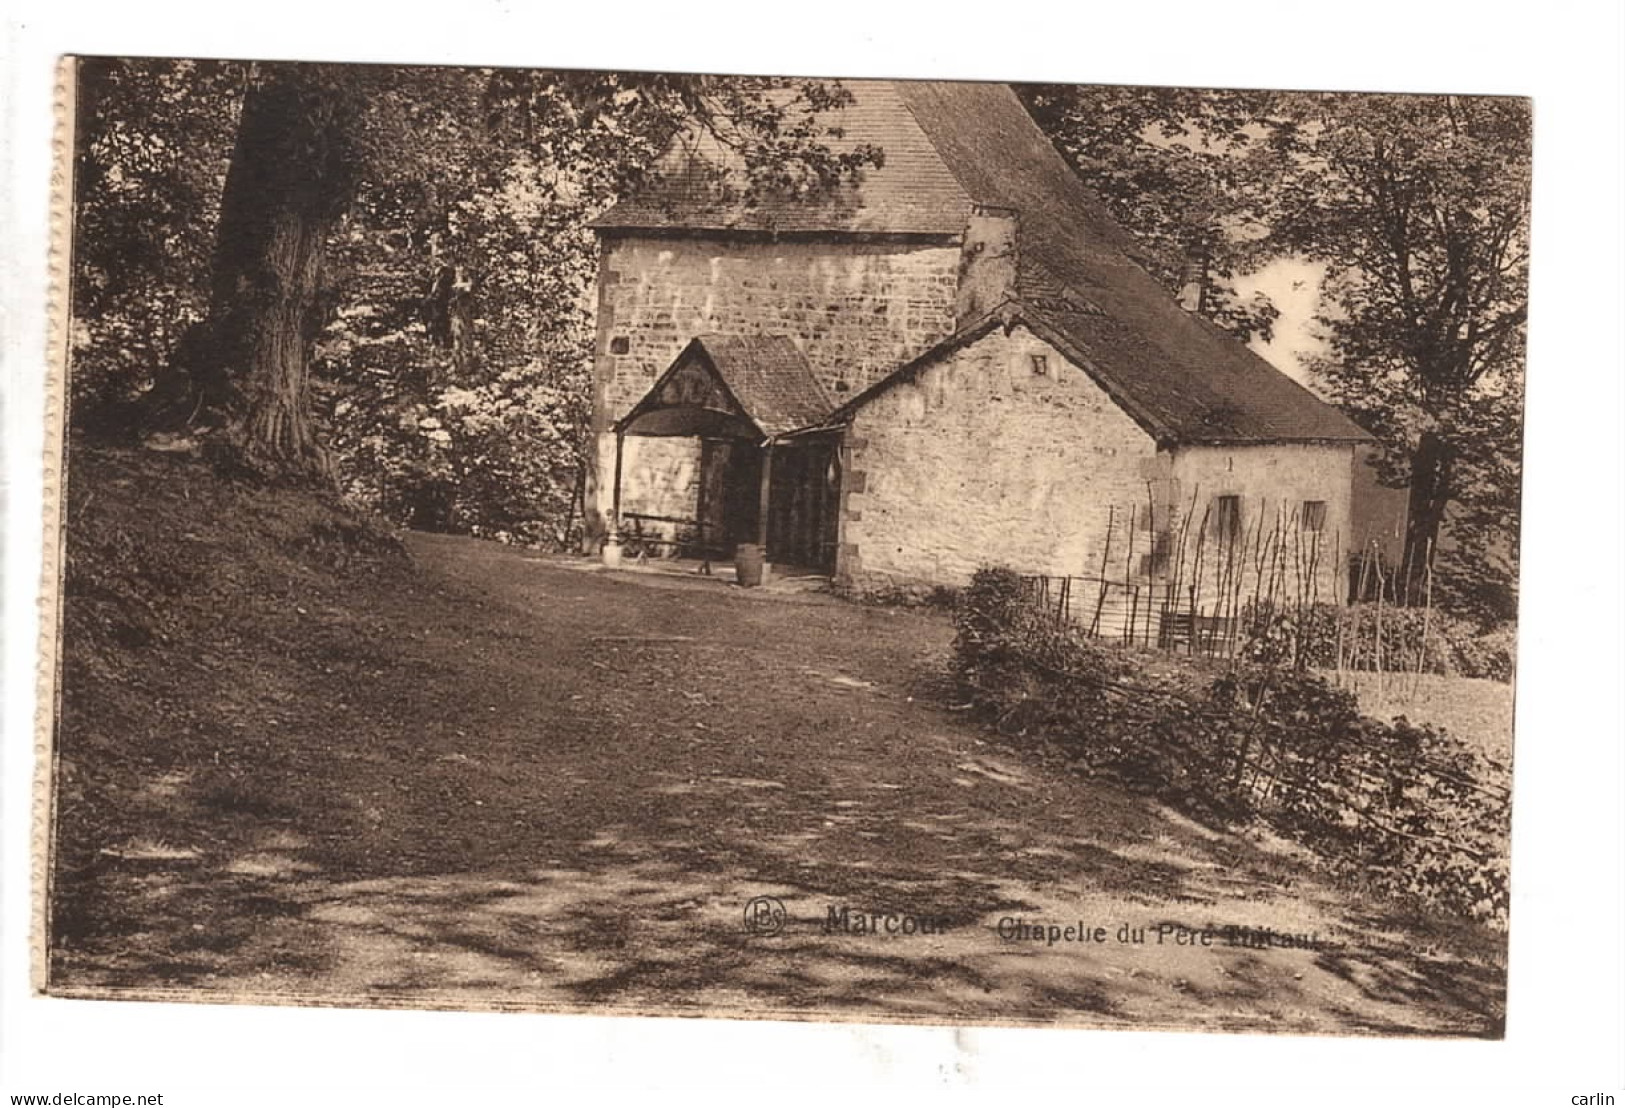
(1193, 285)
(987, 263)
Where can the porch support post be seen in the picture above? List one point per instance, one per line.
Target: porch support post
(699, 499)
(766, 501)
(620, 446)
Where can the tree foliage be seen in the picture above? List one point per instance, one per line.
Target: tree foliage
(446, 301)
(1417, 207)
(1170, 165)
(154, 140)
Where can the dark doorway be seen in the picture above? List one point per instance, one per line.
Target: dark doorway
(740, 467)
(806, 496)
(804, 499)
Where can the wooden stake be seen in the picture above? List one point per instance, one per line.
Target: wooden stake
(1128, 565)
(1377, 641)
(1105, 556)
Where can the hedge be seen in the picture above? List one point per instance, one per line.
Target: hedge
(1405, 809)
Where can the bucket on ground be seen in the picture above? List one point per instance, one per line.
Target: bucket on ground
(748, 564)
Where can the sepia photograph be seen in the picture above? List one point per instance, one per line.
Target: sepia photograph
(797, 548)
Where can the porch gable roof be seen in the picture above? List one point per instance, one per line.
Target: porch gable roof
(762, 380)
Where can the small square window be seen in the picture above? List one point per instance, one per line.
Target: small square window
(1314, 515)
(1155, 564)
(1227, 518)
(620, 344)
(1040, 364)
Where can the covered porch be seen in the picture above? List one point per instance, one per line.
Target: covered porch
(768, 475)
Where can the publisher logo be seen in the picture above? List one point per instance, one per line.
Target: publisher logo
(764, 915)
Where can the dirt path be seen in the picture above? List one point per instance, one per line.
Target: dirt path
(532, 784)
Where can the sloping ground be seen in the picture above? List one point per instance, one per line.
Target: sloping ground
(304, 771)
(1475, 710)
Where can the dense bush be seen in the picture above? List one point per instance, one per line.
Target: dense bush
(1405, 808)
(1485, 653)
(1013, 657)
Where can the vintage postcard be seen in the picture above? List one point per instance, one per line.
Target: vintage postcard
(806, 548)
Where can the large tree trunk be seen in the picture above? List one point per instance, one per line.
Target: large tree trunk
(1432, 474)
(248, 369)
(269, 328)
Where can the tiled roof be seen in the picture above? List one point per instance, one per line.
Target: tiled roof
(769, 377)
(1186, 377)
(1235, 397)
(1001, 159)
(1230, 406)
(951, 145)
(912, 192)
